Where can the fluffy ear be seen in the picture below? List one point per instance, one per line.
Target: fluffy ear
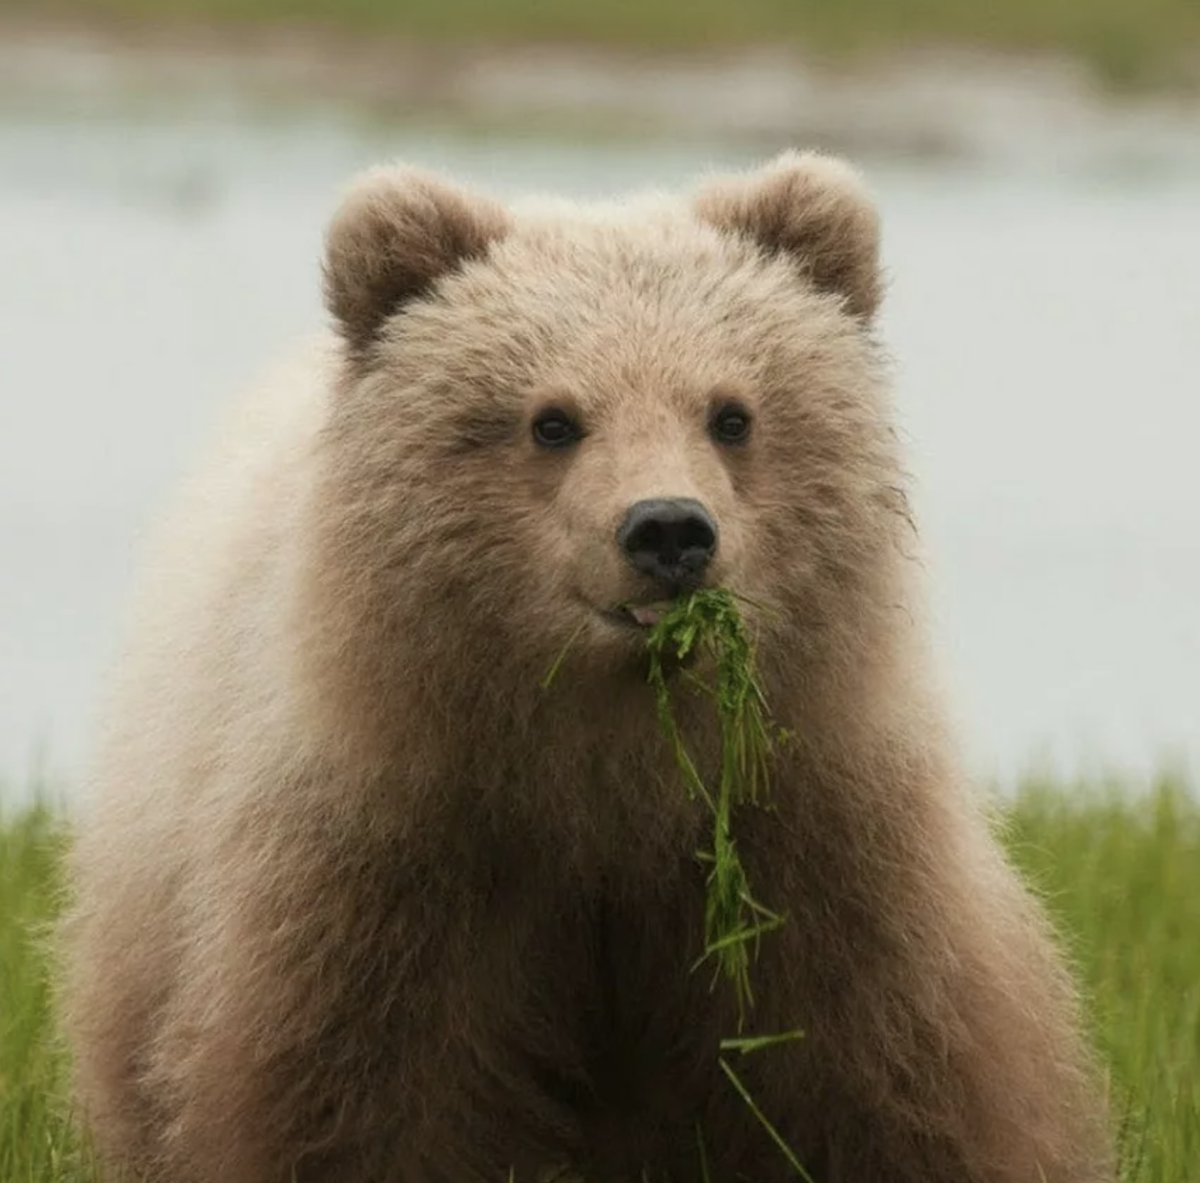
(398, 231)
(812, 207)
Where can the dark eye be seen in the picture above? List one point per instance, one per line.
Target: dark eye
(554, 428)
(730, 424)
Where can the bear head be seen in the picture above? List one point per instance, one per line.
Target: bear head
(549, 419)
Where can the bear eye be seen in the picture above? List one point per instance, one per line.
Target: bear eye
(554, 428)
(730, 424)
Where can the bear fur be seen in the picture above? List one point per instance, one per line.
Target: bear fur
(359, 900)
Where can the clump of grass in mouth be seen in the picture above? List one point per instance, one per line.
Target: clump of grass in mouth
(708, 621)
(734, 921)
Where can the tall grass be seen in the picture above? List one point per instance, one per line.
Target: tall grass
(1123, 882)
(1121, 875)
(37, 1143)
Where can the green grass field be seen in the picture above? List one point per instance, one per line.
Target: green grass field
(1122, 879)
(1128, 41)
(36, 1141)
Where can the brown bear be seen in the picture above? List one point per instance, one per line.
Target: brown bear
(361, 900)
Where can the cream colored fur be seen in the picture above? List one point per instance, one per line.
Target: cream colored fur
(358, 900)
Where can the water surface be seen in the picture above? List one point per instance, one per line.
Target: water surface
(1046, 329)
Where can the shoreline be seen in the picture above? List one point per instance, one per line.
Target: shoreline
(939, 103)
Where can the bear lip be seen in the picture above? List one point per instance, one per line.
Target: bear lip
(643, 616)
(646, 615)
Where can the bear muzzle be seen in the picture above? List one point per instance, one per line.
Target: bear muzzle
(671, 541)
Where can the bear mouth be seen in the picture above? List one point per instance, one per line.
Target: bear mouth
(647, 615)
(641, 617)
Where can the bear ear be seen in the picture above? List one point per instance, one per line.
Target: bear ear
(397, 231)
(812, 207)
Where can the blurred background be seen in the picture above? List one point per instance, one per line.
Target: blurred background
(167, 168)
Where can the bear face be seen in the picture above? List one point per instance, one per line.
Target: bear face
(550, 419)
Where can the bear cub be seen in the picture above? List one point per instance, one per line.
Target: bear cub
(359, 900)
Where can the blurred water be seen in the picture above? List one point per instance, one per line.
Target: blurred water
(1046, 328)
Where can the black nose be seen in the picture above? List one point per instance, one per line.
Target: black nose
(670, 540)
